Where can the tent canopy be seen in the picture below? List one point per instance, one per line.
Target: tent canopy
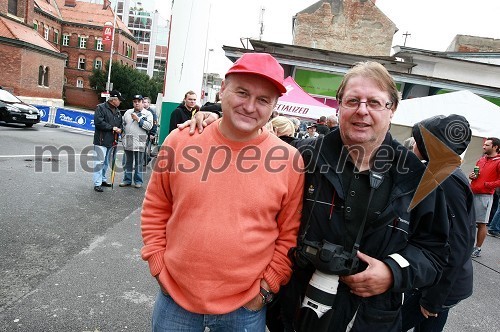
(482, 115)
(298, 103)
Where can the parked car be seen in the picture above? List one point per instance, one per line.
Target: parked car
(14, 110)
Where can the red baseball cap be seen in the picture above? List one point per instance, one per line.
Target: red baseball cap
(262, 64)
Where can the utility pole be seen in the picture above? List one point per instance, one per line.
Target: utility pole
(406, 34)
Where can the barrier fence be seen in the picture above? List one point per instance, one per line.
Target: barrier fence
(68, 118)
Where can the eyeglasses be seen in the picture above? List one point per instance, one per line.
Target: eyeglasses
(371, 105)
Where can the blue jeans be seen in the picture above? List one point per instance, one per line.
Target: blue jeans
(101, 164)
(168, 316)
(131, 158)
(495, 222)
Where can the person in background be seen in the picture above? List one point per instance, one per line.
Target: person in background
(213, 107)
(283, 128)
(296, 124)
(483, 186)
(217, 268)
(321, 127)
(185, 110)
(332, 122)
(152, 133)
(108, 125)
(426, 309)
(137, 122)
(311, 131)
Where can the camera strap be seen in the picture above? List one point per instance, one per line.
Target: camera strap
(376, 180)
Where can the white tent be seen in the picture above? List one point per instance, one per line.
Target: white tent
(483, 117)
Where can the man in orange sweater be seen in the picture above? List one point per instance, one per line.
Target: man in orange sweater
(218, 266)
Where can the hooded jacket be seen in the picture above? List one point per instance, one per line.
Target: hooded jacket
(411, 243)
(456, 281)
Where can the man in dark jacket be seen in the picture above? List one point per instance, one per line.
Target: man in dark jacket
(427, 309)
(108, 124)
(360, 199)
(184, 111)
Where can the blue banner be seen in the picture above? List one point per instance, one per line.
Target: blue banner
(44, 112)
(75, 119)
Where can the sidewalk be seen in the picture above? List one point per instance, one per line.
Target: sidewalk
(107, 287)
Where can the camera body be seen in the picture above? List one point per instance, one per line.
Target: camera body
(326, 257)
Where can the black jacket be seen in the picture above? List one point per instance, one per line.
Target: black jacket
(417, 239)
(457, 280)
(106, 117)
(180, 115)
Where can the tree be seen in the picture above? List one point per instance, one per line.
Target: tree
(128, 81)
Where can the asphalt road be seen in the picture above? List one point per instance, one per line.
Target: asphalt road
(70, 257)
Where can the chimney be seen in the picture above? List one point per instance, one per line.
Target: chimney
(106, 4)
(70, 3)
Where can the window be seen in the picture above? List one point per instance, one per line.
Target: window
(65, 80)
(82, 42)
(35, 25)
(98, 63)
(40, 75)
(65, 41)
(81, 62)
(12, 7)
(56, 36)
(66, 61)
(79, 82)
(43, 76)
(98, 44)
(46, 32)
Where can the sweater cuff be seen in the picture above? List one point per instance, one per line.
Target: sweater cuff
(273, 279)
(156, 263)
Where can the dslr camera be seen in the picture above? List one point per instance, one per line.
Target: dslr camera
(326, 257)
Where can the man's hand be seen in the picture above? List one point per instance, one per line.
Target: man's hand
(135, 117)
(375, 280)
(427, 313)
(118, 130)
(200, 121)
(254, 304)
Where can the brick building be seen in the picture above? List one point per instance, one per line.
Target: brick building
(76, 29)
(69, 31)
(30, 65)
(463, 43)
(348, 26)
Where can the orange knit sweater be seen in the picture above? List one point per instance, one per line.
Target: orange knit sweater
(219, 216)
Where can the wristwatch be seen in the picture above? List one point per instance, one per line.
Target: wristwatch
(267, 296)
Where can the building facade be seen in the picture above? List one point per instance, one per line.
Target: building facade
(151, 31)
(30, 66)
(69, 35)
(348, 26)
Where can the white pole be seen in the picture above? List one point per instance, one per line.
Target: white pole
(108, 84)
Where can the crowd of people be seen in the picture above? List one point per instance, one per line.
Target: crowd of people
(345, 229)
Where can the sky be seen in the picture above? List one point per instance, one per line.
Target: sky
(432, 23)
